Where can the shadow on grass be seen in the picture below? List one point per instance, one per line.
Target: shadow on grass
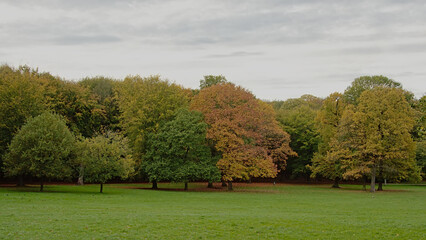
(71, 189)
(195, 187)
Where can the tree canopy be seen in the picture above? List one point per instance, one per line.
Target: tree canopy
(244, 131)
(21, 97)
(297, 117)
(105, 99)
(382, 143)
(105, 157)
(144, 104)
(345, 136)
(179, 152)
(359, 85)
(210, 80)
(326, 162)
(44, 148)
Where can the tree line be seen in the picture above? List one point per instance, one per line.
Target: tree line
(99, 129)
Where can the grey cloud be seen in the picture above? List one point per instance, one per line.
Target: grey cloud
(411, 47)
(85, 39)
(271, 22)
(380, 48)
(297, 40)
(357, 50)
(234, 54)
(70, 5)
(65, 31)
(410, 74)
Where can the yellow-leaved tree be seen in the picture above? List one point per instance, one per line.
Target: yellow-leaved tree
(382, 144)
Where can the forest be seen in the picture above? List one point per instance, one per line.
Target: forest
(100, 129)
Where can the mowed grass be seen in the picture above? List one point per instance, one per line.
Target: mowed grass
(252, 211)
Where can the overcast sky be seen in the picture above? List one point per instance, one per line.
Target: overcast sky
(276, 49)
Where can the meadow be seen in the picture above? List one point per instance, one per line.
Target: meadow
(251, 211)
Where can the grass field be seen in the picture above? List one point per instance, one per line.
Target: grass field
(252, 211)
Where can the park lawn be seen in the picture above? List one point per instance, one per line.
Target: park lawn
(127, 211)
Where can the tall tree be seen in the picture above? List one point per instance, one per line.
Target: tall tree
(105, 157)
(297, 117)
(239, 125)
(76, 104)
(103, 90)
(385, 120)
(21, 97)
(359, 85)
(42, 148)
(421, 156)
(179, 151)
(210, 80)
(325, 162)
(419, 132)
(145, 103)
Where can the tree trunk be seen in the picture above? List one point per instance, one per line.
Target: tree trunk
(373, 180)
(224, 184)
(102, 188)
(364, 182)
(186, 186)
(380, 188)
(80, 180)
(249, 180)
(230, 186)
(20, 181)
(41, 184)
(210, 184)
(336, 183)
(380, 180)
(154, 184)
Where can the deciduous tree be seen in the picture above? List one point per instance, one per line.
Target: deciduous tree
(179, 152)
(21, 97)
(326, 161)
(419, 132)
(210, 80)
(42, 148)
(145, 103)
(104, 93)
(243, 131)
(297, 117)
(76, 104)
(359, 85)
(105, 157)
(385, 119)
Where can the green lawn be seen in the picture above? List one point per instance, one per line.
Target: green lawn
(250, 212)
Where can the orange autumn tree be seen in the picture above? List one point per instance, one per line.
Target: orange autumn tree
(243, 130)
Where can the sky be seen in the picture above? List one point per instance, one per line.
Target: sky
(276, 49)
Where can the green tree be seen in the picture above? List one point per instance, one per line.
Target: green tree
(210, 80)
(105, 157)
(297, 117)
(100, 98)
(42, 148)
(359, 85)
(419, 132)
(421, 156)
(21, 97)
(179, 151)
(145, 103)
(104, 93)
(76, 104)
